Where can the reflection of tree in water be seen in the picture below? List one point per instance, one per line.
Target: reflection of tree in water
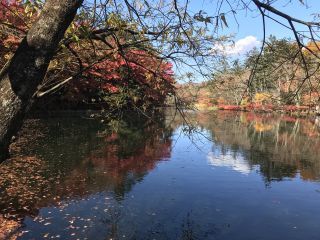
(192, 230)
(189, 227)
(132, 152)
(281, 146)
(70, 162)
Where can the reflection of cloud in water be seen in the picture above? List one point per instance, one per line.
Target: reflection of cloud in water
(234, 161)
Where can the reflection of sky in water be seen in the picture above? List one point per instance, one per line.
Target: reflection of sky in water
(117, 186)
(230, 160)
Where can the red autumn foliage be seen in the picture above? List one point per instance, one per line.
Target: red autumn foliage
(229, 107)
(14, 25)
(264, 107)
(13, 17)
(12, 12)
(149, 78)
(134, 75)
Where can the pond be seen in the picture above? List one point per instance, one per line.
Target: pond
(224, 175)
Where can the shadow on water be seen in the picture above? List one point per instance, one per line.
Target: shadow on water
(138, 178)
(72, 158)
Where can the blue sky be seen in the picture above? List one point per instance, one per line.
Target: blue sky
(251, 23)
(249, 31)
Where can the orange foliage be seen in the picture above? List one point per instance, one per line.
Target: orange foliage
(150, 77)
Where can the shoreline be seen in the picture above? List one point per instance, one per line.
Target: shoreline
(287, 109)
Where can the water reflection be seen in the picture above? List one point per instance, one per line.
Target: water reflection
(282, 146)
(73, 158)
(232, 160)
(141, 179)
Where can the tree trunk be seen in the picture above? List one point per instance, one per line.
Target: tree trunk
(20, 79)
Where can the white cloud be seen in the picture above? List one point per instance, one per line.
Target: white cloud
(236, 163)
(240, 47)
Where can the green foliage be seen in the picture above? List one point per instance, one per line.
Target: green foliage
(273, 64)
(275, 75)
(117, 68)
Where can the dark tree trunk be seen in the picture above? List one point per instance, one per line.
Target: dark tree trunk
(19, 81)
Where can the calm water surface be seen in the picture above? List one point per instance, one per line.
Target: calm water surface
(235, 176)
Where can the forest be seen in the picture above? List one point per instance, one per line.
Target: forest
(159, 119)
(275, 84)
